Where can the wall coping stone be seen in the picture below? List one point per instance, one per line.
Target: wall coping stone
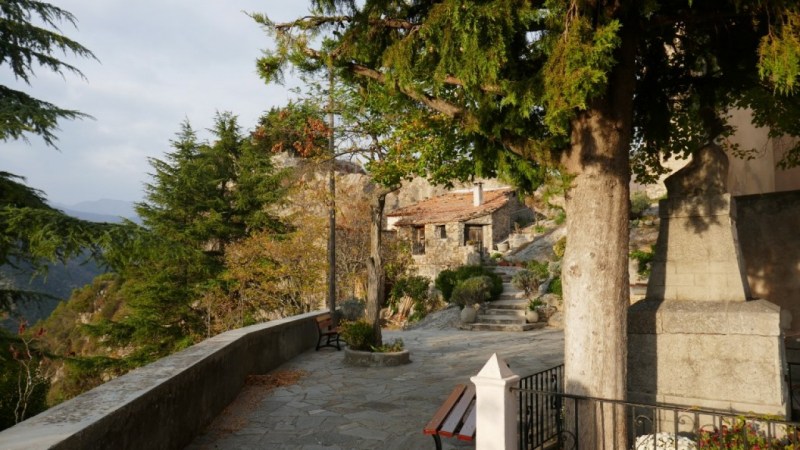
(753, 317)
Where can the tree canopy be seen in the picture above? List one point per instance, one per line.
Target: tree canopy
(599, 90)
(30, 37)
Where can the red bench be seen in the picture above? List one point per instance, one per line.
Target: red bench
(327, 332)
(456, 417)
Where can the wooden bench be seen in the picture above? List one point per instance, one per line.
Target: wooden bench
(456, 417)
(327, 332)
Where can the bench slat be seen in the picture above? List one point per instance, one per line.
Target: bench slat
(441, 414)
(456, 417)
(467, 431)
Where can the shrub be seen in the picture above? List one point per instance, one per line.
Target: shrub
(352, 309)
(416, 288)
(535, 303)
(643, 258)
(472, 290)
(561, 217)
(447, 280)
(527, 281)
(396, 346)
(555, 287)
(560, 247)
(639, 204)
(357, 334)
(540, 269)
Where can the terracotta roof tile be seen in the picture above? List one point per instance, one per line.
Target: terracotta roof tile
(453, 207)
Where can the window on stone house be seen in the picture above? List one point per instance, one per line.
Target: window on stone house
(441, 232)
(418, 240)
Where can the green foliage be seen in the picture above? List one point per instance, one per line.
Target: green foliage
(358, 334)
(740, 434)
(644, 258)
(413, 286)
(560, 247)
(447, 280)
(417, 288)
(555, 287)
(540, 269)
(23, 384)
(473, 290)
(535, 303)
(352, 309)
(639, 204)
(779, 53)
(527, 281)
(561, 216)
(32, 38)
(396, 345)
(580, 58)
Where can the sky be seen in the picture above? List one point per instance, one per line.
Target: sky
(160, 62)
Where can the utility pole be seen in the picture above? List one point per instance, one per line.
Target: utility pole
(331, 200)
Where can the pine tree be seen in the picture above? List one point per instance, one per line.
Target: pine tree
(24, 45)
(203, 197)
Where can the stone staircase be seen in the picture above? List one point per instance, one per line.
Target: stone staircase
(508, 312)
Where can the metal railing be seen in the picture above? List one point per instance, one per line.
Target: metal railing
(540, 415)
(549, 418)
(794, 389)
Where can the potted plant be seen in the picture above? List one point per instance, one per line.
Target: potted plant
(360, 351)
(532, 314)
(470, 292)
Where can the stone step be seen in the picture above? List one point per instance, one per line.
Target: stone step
(508, 301)
(506, 327)
(512, 296)
(500, 318)
(505, 311)
(508, 306)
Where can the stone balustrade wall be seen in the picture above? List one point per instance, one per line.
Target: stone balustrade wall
(167, 403)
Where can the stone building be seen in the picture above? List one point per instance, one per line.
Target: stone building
(458, 228)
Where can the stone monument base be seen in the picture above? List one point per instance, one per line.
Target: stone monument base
(717, 355)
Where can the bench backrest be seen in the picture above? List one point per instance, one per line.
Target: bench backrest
(324, 322)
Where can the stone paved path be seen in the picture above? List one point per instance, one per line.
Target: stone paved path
(335, 406)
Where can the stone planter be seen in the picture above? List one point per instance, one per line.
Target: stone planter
(531, 316)
(502, 247)
(360, 358)
(468, 314)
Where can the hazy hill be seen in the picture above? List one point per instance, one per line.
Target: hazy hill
(104, 210)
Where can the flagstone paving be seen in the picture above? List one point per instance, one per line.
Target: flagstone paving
(333, 406)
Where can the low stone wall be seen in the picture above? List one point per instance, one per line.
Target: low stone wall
(167, 403)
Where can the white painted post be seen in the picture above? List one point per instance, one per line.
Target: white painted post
(496, 407)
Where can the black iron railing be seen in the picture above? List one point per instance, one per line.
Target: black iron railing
(549, 418)
(540, 415)
(794, 389)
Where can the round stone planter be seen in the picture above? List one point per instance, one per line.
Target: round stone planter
(531, 316)
(375, 359)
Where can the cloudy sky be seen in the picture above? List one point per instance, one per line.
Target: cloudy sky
(160, 62)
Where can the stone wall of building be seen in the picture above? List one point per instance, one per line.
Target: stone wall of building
(769, 235)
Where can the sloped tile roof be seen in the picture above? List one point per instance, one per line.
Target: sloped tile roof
(453, 207)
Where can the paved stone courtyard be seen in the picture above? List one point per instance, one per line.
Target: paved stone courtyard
(333, 406)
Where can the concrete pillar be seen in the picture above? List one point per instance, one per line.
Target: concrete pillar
(496, 413)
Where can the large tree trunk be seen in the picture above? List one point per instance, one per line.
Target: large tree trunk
(595, 265)
(375, 274)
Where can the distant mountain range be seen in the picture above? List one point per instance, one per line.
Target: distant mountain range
(104, 210)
